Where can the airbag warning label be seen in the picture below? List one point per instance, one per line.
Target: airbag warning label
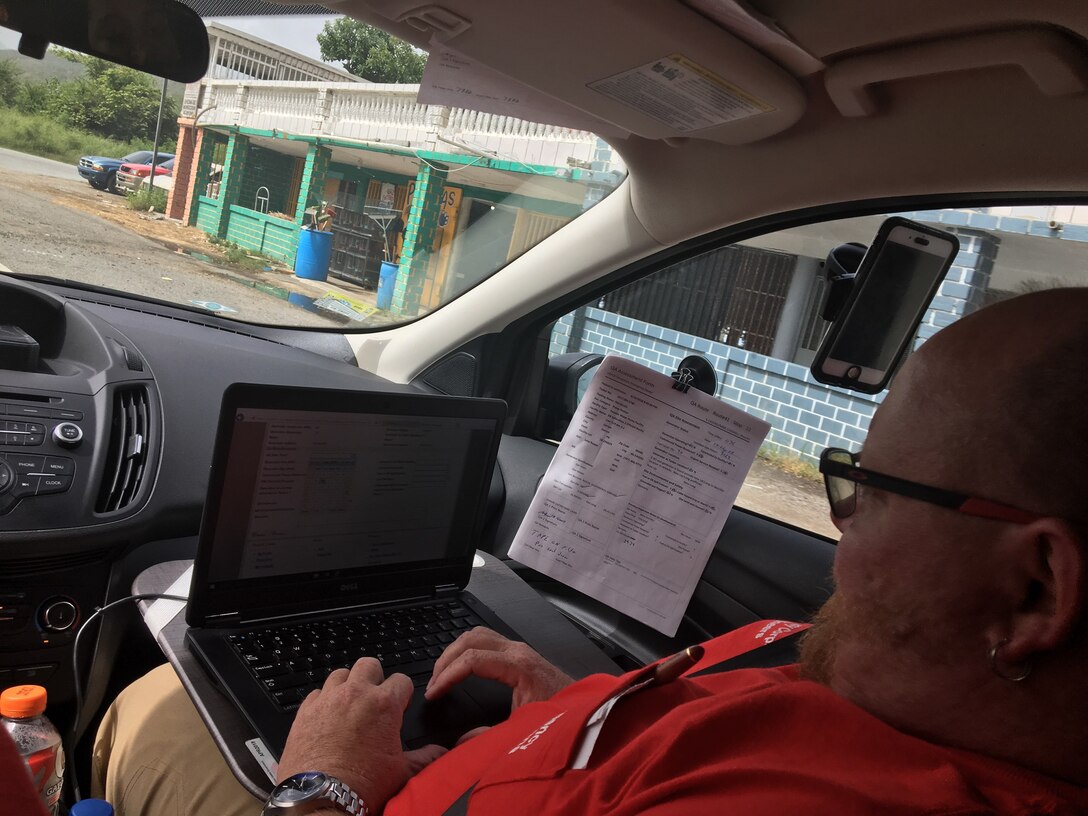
(680, 93)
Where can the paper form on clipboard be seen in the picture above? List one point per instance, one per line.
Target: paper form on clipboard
(638, 492)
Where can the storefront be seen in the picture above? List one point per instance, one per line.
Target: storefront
(388, 204)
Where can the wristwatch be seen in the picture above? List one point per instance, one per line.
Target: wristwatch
(309, 791)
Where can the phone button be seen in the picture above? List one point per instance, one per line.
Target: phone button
(853, 372)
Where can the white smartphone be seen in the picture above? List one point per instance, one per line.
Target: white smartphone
(896, 281)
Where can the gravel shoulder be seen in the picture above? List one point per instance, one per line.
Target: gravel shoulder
(65, 229)
(793, 499)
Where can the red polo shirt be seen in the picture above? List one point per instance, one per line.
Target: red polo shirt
(750, 741)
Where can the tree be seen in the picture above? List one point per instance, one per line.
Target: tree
(112, 101)
(369, 52)
(10, 79)
(34, 97)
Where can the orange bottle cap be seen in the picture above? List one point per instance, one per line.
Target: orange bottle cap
(22, 701)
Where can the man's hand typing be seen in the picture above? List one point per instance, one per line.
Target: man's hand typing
(485, 653)
(351, 728)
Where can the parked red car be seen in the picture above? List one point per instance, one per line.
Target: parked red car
(131, 176)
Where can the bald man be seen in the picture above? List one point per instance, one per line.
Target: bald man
(947, 674)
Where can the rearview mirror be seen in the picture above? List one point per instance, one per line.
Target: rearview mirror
(161, 37)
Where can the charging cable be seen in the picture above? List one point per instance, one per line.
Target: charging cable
(78, 677)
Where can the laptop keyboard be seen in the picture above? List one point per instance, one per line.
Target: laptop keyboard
(291, 660)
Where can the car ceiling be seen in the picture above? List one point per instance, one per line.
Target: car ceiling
(976, 129)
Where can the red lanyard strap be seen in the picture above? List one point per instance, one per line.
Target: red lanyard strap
(758, 645)
(782, 651)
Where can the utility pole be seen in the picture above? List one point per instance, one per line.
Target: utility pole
(158, 131)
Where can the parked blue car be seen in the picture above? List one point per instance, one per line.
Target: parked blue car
(101, 172)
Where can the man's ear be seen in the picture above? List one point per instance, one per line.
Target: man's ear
(1051, 567)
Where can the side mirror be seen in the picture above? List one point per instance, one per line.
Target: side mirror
(565, 381)
(161, 37)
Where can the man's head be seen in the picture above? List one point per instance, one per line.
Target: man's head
(993, 407)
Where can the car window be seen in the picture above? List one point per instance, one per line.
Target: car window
(312, 182)
(753, 310)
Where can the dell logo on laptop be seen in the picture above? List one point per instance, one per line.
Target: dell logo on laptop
(352, 587)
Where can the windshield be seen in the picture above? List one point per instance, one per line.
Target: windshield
(313, 185)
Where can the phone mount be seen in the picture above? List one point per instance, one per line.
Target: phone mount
(841, 267)
(877, 299)
(695, 372)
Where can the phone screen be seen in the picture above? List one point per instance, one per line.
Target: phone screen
(894, 291)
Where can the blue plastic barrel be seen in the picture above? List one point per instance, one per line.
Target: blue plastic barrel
(386, 281)
(314, 254)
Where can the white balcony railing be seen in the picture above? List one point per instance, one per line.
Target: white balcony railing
(371, 112)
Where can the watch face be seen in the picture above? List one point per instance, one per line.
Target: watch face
(299, 788)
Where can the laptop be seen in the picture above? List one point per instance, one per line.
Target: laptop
(341, 524)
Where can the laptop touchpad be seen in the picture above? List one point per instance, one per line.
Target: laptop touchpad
(471, 704)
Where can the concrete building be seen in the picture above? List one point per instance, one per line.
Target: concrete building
(269, 136)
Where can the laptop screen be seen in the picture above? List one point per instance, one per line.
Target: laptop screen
(336, 494)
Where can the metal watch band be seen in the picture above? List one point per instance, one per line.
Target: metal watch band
(346, 798)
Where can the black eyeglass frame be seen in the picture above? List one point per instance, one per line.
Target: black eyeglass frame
(960, 502)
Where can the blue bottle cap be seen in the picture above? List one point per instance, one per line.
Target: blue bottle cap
(91, 807)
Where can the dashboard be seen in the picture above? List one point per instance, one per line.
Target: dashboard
(108, 411)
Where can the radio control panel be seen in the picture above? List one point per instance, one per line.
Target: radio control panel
(39, 452)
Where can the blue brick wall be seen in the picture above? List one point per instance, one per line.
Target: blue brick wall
(805, 416)
(967, 280)
(1001, 223)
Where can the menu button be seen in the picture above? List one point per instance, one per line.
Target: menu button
(59, 466)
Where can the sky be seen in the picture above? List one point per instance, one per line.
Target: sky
(299, 33)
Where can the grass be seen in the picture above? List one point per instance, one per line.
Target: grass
(793, 465)
(236, 255)
(42, 136)
(147, 198)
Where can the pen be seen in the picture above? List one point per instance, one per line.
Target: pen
(671, 668)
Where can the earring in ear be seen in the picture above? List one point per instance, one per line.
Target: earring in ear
(1001, 671)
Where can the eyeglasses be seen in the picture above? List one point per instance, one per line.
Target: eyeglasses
(842, 476)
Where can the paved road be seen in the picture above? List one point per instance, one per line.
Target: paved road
(40, 237)
(24, 163)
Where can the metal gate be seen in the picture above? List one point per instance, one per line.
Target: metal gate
(734, 294)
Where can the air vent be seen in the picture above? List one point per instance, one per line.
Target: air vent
(129, 444)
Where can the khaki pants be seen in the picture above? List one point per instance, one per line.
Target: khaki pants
(153, 756)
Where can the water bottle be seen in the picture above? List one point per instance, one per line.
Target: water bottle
(21, 709)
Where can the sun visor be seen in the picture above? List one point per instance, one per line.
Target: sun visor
(653, 68)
